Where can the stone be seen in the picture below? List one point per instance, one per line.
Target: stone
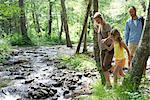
(29, 81)
(58, 84)
(20, 77)
(66, 92)
(72, 87)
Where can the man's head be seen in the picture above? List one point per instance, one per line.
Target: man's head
(132, 11)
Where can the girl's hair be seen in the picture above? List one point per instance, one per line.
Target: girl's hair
(115, 32)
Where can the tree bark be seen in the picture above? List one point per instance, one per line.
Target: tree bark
(25, 37)
(64, 16)
(35, 17)
(61, 29)
(96, 47)
(50, 19)
(139, 61)
(143, 5)
(85, 41)
(38, 24)
(84, 25)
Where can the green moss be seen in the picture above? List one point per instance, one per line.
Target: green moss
(4, 82)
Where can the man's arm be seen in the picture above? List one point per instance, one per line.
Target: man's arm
(127, 31)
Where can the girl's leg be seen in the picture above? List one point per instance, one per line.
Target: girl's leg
(116, 71)
(121, 73)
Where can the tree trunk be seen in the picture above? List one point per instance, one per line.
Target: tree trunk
(50, 19)
(96, 47)
(37, 23)
(64, 16)
(140, 59)
(33, 16)
(85, 41)
(25, 37)
(61, 29)
(143, 5)
(84, 25)
(10, 26)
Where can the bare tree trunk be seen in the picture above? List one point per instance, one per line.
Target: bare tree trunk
(64, 16)
(85, 41)
(35, 17)
(61, 29)
(141, 56)
(84, 25)
(10, 26)
(25, 37)
(50, 19)
(38, 24)
(143, 5)
(96, 47)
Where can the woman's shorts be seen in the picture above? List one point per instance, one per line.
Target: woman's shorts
(106, 59)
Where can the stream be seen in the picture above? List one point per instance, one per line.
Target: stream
(34, 74)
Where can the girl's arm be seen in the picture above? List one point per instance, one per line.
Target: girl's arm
(109, 48)
(128, 52)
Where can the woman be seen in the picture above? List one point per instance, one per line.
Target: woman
(106, 56)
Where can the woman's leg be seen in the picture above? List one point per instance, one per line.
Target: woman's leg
(107, 77)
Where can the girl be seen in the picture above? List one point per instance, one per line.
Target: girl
(119, 47)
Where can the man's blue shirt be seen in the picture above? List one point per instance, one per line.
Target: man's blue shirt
(133, 32)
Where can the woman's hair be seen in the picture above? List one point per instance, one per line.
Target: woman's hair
(115, 32)
(97, 15)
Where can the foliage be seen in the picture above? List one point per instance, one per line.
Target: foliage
(4, 49)
(79, 62)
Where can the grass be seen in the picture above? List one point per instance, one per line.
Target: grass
(4, 82)
(79, 62)
(99, 92)
(4, 49)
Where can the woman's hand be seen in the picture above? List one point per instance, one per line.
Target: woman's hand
(103, 40)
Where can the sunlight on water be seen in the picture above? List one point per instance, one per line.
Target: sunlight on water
(11, 97)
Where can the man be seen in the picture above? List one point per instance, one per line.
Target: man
(133, 30)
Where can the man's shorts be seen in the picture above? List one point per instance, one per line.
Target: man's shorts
(132, 47)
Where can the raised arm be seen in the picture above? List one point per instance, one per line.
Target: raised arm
(128, 52)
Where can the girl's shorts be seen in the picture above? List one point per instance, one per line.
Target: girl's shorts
(120, 63)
